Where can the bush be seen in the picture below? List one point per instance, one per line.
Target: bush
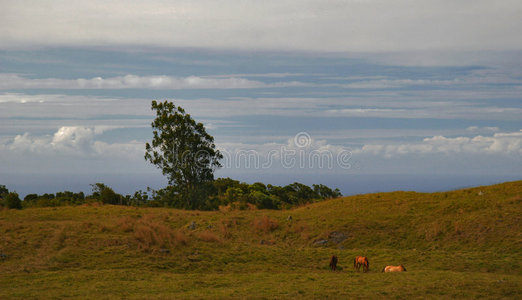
(264, 201)
(105, 194)
(265, 224)
(208, 236)
(108, 196)
(31, 197)
(13, 201)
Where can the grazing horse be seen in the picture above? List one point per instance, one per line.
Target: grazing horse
(361, 261)
(333, 263)
(400, 268)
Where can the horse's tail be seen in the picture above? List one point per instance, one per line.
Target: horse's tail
(354, 260)
(403, 268)
(383, 269)
(367, 264)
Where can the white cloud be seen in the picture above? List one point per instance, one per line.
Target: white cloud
(325, 26)
(509, 143)
(14, 81)
(486, 129)
(76, 141)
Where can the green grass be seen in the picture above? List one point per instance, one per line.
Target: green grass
(464, 244)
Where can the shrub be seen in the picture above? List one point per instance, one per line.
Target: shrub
(224, 230)
(13, 201)
(126, 224)
(180, 238)
(208, 236)
(149, 234)
(265, 224)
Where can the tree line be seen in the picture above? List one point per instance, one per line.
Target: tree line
(187, 156)
(220, 192)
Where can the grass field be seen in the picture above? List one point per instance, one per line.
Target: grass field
(464, 244)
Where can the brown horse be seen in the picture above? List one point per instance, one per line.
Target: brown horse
(333, 263)
(361, 261)
(400, 268)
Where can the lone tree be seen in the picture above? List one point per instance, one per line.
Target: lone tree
(184, 151)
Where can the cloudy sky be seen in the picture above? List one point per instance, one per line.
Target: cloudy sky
(364, 95)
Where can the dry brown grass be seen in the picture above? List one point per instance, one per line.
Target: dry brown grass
(126, 224)
(301, 228)
(60, 239)
(433, 231)
(224, 208)
(265, 224)
(105, 228)
(515, 199)
(93, 204)
(225, 231)
(251, 206)
(150, 234)
(181, 238)
(208, 236)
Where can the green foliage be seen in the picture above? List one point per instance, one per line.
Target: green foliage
(52, 200)
(264, 200)
(13, 201)
(31, 197)
(106, 195)
(3, 190)
(184, 151)
(326, 192)
(140, 198)
(233, 194)
(263, 196)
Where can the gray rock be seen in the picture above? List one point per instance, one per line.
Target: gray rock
(321, 242)
(192, 225)
(337, 237)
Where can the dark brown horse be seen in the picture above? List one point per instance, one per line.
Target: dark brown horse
(333, 263)
(361, 261)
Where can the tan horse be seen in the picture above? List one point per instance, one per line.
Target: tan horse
(400, 268)
(333, 263)
(361, 261)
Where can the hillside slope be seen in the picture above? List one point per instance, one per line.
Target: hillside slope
(468, 240)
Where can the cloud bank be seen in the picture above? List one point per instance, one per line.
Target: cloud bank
(80, 140)
(324, 26)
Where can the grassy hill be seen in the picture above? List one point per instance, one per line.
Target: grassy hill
(465, 243)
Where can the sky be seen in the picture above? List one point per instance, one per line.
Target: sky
(362, 95)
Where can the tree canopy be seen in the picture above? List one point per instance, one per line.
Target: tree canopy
(184, 151)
